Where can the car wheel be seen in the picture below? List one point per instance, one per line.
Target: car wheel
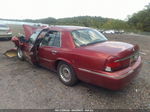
(66, 74)
(20, 54)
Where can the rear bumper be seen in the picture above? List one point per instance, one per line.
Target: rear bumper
(115, 80)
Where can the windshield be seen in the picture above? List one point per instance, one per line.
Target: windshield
(85, 37)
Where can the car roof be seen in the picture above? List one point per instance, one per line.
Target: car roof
(66, 28)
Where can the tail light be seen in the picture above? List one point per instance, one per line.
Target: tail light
(114, 64)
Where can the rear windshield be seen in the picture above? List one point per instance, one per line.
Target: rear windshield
(84, 37)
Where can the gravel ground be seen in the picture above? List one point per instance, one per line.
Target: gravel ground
(24, 86)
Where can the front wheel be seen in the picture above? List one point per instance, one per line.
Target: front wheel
(66, 74)
(20, 54)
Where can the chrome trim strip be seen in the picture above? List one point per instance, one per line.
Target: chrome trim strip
(137, 53)
(105, 75)
(46, 59)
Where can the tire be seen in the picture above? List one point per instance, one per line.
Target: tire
(20, 54)
(66, 74)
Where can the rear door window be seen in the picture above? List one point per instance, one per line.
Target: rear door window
(52, 38)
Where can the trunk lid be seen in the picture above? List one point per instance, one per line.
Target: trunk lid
(120, 54)
(114, 48)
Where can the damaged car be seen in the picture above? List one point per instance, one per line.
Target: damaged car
(80, 53)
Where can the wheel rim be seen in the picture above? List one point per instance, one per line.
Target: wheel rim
(20, 54)
(65, 73)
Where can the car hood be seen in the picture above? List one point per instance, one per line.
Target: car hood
(29, 30)
(114, 48)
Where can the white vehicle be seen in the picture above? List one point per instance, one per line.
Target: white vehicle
(5, 32)
(109, 31)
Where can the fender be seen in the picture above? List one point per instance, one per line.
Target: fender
(67, 61)
(16, 41)
(63, 59)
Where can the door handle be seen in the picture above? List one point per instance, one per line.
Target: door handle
(54, 51)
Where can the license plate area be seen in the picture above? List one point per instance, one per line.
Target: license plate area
(134, 58)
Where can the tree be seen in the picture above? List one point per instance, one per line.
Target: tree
(116, 25)
(141, 20)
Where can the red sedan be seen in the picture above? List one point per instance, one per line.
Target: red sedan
(80, 53)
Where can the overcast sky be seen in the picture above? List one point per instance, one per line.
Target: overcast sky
(34, 9)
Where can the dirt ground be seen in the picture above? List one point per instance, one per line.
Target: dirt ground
(24, 86)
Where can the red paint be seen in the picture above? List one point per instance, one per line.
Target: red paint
(29, 30)
(92, 57)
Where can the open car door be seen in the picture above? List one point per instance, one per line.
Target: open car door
(27, 44)
(30, 46)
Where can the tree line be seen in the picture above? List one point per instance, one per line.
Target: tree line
(87, 21)
(139, 21)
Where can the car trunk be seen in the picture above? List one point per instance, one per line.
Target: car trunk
(125, 53)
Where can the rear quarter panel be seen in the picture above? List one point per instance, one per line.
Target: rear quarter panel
(79, 57)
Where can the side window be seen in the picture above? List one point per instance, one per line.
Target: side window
(45, 41)
(42, 34)
(52, 38)
(57, 40)
(33, 37)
